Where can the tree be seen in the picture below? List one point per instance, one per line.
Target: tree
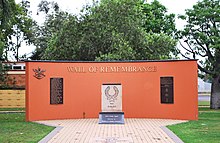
(1, 59)
(53, 23)
(93, 34)
(108, 30)
(201, 36)
(15, 22)
(22, 28)
(157, 20)
(15, 27)
(6, 19)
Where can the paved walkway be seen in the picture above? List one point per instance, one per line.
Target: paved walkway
(89, 131)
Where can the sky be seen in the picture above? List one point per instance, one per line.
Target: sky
(74, 6)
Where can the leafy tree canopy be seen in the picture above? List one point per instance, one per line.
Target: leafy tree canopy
(108, 30)
(15, 21)
(202, 39)
(157, 20)
(15, 27)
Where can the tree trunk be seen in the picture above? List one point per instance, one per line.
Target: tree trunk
(215, 93)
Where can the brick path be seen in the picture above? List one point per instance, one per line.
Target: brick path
(89, 131)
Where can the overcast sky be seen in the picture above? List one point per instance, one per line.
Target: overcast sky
(74, 6)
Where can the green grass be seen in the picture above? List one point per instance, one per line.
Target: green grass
(14, 129)
(205, 130)
(12, 109)
(204, 103)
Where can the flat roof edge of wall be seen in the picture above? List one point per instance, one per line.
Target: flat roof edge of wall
(126, 61)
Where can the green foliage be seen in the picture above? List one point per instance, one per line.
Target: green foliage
(202, 37)
(202, 34)
(15, 21)
(1, 60)
(156, 19)
(54, 23)
(22, 28)
(1, 57)
(108, 30)
(161, 46)
(121, 50)
(1, 72)
(46, 7)
(6, 19)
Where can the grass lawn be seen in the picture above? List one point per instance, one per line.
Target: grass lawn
(205, 130)
(14, 129)
(204, 103)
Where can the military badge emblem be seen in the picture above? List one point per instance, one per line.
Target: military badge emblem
(39, 73)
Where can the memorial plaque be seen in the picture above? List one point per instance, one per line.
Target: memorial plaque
(111, 98)
(111, 105)
(166, 90)
(111, 118)
(56, 90)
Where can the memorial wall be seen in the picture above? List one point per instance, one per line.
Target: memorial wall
(111, 91)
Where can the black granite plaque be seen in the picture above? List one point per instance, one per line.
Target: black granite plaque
(111, 118)
(166, 90)
(56, 90)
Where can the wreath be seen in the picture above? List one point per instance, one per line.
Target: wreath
(110, 97)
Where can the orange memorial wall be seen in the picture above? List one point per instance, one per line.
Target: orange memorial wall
(150, 89)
